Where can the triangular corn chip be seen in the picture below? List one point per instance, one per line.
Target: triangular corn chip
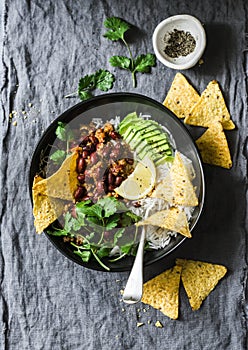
(63, 183)
(210, 108)
(173, 219)
(181, 96)
(164, 190)
(45, 210)
(199, 279)
(162, 292)
(177, 187)
(213, 147)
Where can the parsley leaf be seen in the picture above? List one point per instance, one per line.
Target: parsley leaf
(117, 28)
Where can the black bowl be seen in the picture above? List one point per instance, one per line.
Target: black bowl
(106, 107)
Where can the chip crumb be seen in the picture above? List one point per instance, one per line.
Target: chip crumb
(117, 281)
(30, 105)
(139, 324)
(24, 112)
(201, 61)
(14, 123)
(158, 324)
(122, 291)
(149, 322)
(123, 310)
(10, 115)
(144, 310)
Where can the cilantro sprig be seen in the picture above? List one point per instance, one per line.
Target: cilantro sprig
(91, 224)
(102, 80)
(63, 133)
(142, 63)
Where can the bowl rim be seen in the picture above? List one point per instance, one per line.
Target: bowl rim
(198, 54)
(108, 98)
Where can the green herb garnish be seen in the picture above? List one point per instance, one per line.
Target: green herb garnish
(142, 63)
(91, 224)
(63, 133)
(102, 80)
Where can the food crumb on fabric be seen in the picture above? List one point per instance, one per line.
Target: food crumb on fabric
(158, 324)
(139, 324)
(122, 291)
(201, 61)
(123, 310)
(149, 322)
(117, 281)
(14, 123)
(30, 105)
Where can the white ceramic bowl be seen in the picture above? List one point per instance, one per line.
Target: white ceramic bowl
(186, 23)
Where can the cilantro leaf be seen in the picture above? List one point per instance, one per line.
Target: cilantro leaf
(103, 251)
(58, 156)
(120, 61)
(60, 131)
(101, 79)
(104, 80)
(143, 63)
(109, 204)
(84, 254)
(117, 28)
(84, 94)
(63, 132)
(118, 234)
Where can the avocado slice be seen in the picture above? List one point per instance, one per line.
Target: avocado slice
(153, 139)
(137, 139)
(130, 118)
(164, 159)
(137, 129)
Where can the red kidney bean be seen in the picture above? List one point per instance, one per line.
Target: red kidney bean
(93, 158)
(111, 188)
(81, 165)
(73, 212)
(80, 191)
(81, 178)
(94, 139)
(85, 154)
(114, 135)
(129, 161)
(100, 186)
(118, 180)
(85, 198)
(111, 178)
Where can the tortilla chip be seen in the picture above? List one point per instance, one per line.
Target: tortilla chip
(199, 279)
(45, 210)
(162, 292)
(181, 96)
(63, 183)
(173, 219)
(213, 147)
(177, 187)
(210, 108)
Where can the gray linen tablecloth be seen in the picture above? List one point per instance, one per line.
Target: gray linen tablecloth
(48, 302)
